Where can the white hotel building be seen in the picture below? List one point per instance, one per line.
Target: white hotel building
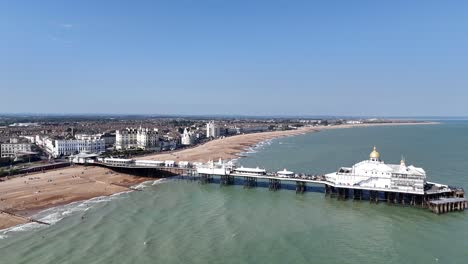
(75, 146)
(67, 147)
(137, 138)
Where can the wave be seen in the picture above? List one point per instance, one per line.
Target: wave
(150, 183)
(159, 181)
(257, 147)
(142, 185)
(55, 214)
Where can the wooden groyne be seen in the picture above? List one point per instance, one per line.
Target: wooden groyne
(28, 219)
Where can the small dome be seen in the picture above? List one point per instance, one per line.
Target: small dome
(374, 154)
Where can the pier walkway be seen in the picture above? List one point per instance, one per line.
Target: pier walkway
(436, 197)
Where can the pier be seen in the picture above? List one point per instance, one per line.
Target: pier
(438, 198)
(342, 192)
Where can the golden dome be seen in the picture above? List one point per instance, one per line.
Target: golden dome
(374, 154)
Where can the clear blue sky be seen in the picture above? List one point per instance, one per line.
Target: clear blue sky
(384, 58)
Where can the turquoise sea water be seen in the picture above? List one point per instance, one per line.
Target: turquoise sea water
(175, 221)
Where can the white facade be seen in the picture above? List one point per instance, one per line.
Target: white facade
(118, 162)
(285, 173)
(9, 150)
(212, 130)
(87, 137)
(374, 173)
(149, 163)
(108, 138)
(250, 171)
(212, 168)
(75, 146)
(141, 138)
(57, 148)
(188, 138)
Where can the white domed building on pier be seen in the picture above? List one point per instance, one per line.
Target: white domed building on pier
(375, 174)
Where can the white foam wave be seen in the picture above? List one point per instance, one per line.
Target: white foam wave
(148, 184)
(55, 214)
(142, 185)
(257, 147)
(159, 181)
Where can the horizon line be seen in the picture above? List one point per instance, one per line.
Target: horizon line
(237, 115)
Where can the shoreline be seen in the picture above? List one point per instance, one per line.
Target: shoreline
(27, 195)
(230, 147)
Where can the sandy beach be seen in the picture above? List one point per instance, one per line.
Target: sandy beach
(231, 147)
(29, 194)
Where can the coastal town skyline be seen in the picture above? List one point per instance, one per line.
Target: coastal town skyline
(240, 58)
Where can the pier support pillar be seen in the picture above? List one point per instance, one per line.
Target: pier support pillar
(274, 185)
(300, 187)
(357, 194)
(226, 180)
(342, 193)
(205, 178)
(250, 182)
(374, 196)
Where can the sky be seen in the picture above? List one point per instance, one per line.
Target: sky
(361, 58)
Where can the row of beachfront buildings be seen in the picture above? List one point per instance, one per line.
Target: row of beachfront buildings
(129, 138)
(123, 139)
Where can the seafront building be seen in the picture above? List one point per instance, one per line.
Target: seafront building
(246, 129)
(137, 138)
(212, 130)
(10, 150)
(109, 138)
(74, 146)
(66, 147)
(374, 173)
(188, 138)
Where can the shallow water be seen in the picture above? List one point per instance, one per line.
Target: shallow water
(184, 222)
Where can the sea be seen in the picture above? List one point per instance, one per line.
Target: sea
(182, 221)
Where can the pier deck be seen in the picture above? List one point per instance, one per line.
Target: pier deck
(446, 205)
(439, 199)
